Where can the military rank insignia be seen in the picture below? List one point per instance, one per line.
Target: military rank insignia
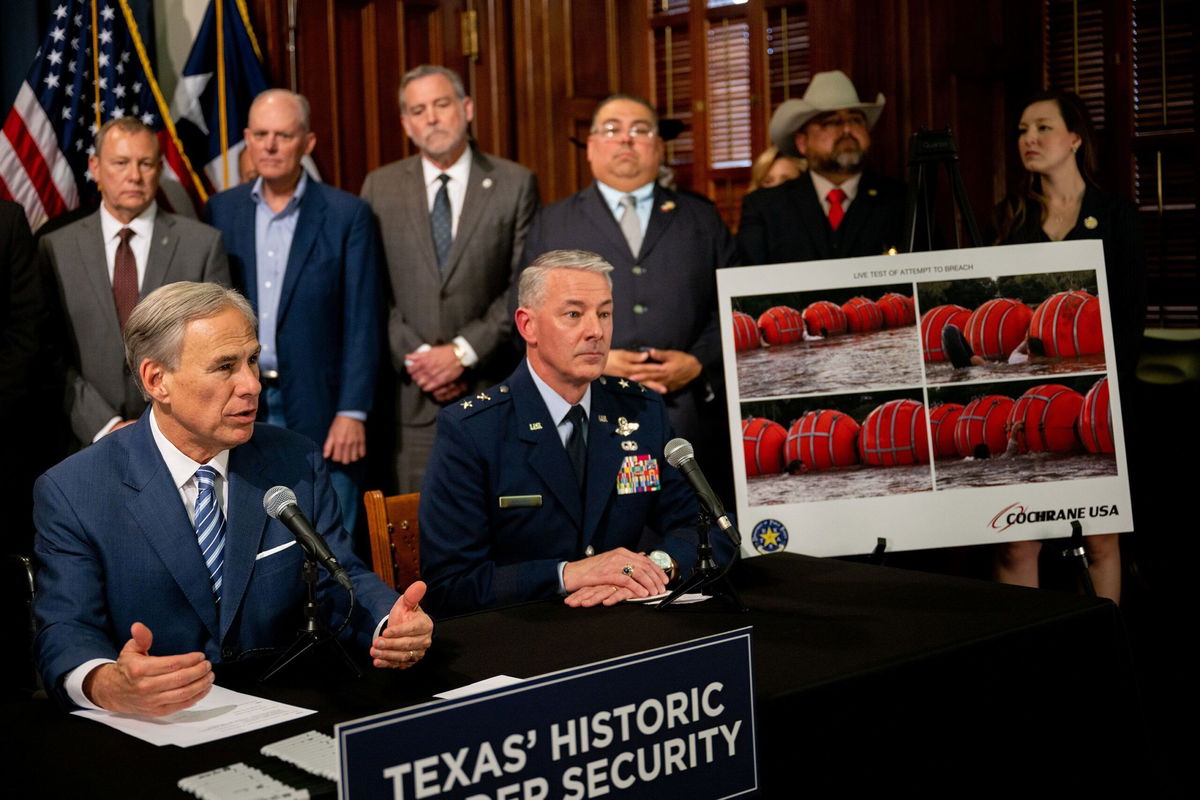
(638, 474)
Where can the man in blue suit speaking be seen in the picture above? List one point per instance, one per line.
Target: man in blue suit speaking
(306, 256)
(159, 528)
(554, 482)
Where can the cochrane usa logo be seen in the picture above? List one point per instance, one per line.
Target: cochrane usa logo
(1017, 514)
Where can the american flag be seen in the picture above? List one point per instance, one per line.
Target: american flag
(49, 132)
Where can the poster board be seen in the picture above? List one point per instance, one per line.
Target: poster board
(870, 443)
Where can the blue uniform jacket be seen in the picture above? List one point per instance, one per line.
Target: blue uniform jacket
(502, 445)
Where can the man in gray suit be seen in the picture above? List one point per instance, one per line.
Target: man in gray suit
(453, 221)
(104, 263)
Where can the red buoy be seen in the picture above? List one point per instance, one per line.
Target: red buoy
(897, 310)
(1095, 420)
(932, 322)
(1044, 419)
(893, 434)
(997, 327)
(1068, 323)
(745, 332)
(942, 420)
(781, 325)
(823, 439)
(862, 315)
(763, 440)
(983, 422)
(824, 318)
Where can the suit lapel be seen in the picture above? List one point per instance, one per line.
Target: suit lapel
(245, 523)
(162, 251)
(604, 459)
(479, 192)
(158, 512)
(545, 452)
(597, 212)
(814, 223)
(91, 244)
(245, 244)
(661, 216)
(308, 229)
(416, 210)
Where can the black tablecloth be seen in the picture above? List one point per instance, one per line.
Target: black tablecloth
(866, 679)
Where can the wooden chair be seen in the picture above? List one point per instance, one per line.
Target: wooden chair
(395, 543)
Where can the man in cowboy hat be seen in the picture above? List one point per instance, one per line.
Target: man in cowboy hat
(837, 209)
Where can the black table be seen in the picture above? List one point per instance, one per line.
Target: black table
(866, 679)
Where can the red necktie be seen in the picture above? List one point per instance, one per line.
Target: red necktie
(836, 212)
(125, 280)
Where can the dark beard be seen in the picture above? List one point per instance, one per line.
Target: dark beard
(846, 162)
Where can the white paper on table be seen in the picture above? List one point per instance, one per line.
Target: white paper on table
(222, 713)
(495, 682)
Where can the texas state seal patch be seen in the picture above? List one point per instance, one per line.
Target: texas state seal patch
(770, 536)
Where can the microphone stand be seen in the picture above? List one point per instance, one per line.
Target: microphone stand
(315, 633)
(707, 577)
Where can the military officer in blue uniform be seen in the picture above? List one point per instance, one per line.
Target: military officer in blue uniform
(554, 482)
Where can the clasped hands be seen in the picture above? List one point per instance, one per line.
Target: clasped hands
(609, 578)
(139, 683)
(661, 370)
(437, 371)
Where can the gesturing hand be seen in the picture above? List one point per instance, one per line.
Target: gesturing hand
(139, 683)
(408, 633)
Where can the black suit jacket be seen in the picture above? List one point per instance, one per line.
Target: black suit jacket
(665, 296)
(787, 222)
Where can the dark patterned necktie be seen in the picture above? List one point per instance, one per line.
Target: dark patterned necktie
(125, 280)
(576, 446)
(440, 222)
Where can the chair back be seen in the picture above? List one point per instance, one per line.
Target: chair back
(395, 537)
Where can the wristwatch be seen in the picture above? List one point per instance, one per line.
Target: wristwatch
(459, 353)
(663, 560)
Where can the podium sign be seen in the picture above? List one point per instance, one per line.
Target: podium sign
(676, 721)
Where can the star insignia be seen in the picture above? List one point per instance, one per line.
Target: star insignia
(482, 396)
(624, 384)
(770, 538)
(466, 404)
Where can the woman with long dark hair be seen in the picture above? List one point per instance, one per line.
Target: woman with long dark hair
(1058, 200)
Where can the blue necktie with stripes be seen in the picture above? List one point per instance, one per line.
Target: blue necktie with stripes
(210, 526)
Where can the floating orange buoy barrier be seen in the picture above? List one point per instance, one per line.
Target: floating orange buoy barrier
(897, 310)
(824, 318)
(823, 439)
(1068, 323)
(932, 322)
(942, 420)
(1095, 420)
(862, 315)
(763, 441)
(781, 325)
(1044, 419)
(894, 434)
(745, 332)
(997, 327)
(983, 422)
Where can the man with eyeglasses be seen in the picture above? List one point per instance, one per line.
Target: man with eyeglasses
(837, 209)
(665, 247)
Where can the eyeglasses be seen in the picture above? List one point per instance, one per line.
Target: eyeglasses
(636, 131)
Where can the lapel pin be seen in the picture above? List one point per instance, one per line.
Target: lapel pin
(628, 444)
(872, 192)
(1090, 223)
(602, 417)
(535, 426)
(487, 183)
(625, 427)
(667, 206)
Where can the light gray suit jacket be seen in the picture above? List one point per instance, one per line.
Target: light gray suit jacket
(470, 297)
(99, 385)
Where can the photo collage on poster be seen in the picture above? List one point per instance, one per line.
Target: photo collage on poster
(932, 399)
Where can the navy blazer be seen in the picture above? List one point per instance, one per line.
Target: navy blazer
(502, 443)
(115, 546)
(787, 223)
(329, 328)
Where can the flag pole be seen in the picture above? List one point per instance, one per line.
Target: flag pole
(222, 113)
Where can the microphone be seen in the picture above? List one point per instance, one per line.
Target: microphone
(681, 455)
(280, 503)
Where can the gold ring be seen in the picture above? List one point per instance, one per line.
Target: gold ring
(627, 569)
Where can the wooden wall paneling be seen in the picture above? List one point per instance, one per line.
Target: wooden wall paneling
(495, 127)
(383, 118)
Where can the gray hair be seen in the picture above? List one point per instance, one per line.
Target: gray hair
(155, 327)
(424, 71)
(300, 100)
(130, 125)
(532, 288)
(623, 96)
